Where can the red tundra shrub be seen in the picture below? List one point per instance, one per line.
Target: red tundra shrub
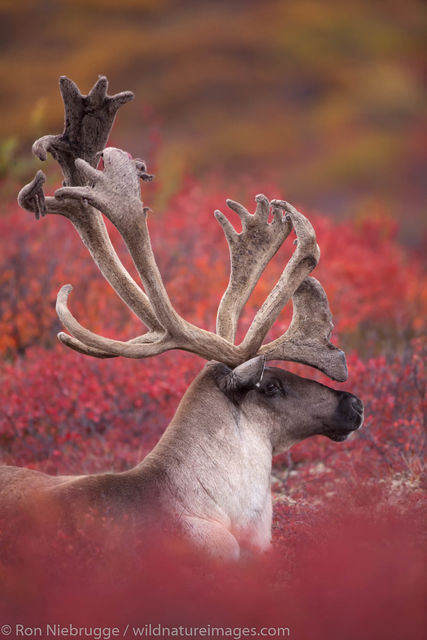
(63, 412)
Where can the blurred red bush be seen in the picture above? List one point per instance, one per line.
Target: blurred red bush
(355, 570)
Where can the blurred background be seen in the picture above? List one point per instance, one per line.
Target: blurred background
(325, 99)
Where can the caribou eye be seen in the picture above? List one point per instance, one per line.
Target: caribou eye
(271, 389)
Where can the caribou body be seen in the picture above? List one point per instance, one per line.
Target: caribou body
(210, 472)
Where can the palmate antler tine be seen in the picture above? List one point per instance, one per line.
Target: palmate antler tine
(88, 122)
(93, 232)
(31, 197)
(302, 262)
(250, 252)
(307, 339)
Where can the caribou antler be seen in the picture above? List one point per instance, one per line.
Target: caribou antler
(302, 262)
(250, 252)
(115, 192)
(307, 338)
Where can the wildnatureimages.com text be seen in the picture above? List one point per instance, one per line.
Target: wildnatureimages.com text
(145, 631)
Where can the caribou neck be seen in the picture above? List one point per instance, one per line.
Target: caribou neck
(217, 461)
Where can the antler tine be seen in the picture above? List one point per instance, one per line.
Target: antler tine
(307, 338)
(88, 122)
(100, 346)
(80, 347)
(250, 252)
(302, 262)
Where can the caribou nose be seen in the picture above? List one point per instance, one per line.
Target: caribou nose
(352, 408)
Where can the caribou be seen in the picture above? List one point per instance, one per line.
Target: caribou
(209, 474)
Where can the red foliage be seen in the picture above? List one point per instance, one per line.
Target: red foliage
(63, 412)
(341, 511)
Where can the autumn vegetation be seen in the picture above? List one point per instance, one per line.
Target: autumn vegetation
(65, 413)
(348, 538)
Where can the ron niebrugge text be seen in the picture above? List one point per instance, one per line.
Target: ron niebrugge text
(145, 631)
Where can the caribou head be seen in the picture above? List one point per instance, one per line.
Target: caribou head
(210, 471)
(290, 407)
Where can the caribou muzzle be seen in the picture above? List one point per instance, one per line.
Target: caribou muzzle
(347, 418)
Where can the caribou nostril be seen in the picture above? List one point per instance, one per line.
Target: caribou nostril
(356, 404)
(351, 404)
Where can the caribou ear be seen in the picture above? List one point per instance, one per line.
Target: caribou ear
(244, 377)
(249, 374)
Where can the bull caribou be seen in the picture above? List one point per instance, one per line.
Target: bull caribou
(210, 472)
